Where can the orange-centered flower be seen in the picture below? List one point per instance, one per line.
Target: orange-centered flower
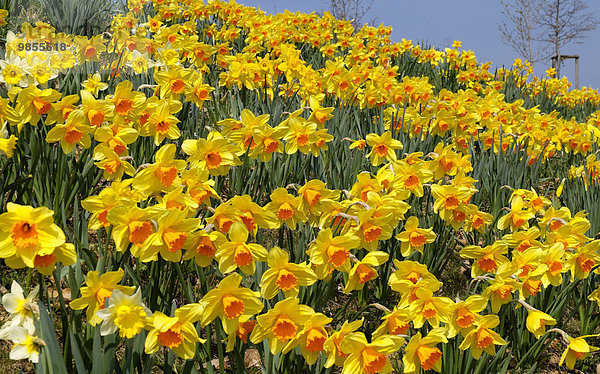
(96, 117)
(284, 328)
(465, 318)
(270, 144)
(213, 160)
(315, 340)
(139, 231)
(429, 310)
(44, 261)
(417, 239)
(373, 361)
(172, 337)
(162, 127)
(205, 247)
(285, 211)
(428, 356)
(177, 86)
(242, 256)
(302, 139)
(72, 135)
(555, 267)
(89, 51)
(504, 292)
(123, 106)
(371, 232)
(451, 202)
(101, 295)
(411, 182)
(487, 263)
(414, 277)
(232, 306)
(166, 174)
(397, 326)
(365, 273)
(24, 234)
(174, 240)
(337, 255)
(312, 196)
(41, 106)
(286, 280)
(484, 338)
(381, 150)
(585, 263)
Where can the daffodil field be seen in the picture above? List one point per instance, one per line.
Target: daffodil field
(206, 188)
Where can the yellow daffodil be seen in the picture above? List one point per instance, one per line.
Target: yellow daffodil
(203, 246)
(383, 148)
(422, 353)
(176, 333)
(74, 132)
(332, 345)
(483, 338)
(284, 275)
(281, 324)
(311, 338)
(463, 315)
(98, 288)
(371, 358)
(395, 322)
(286, 207)
(577, 349)
(25, 231)
(215, 153)
(229, 302)
(363, 271)
(328, 253)
(32, 103)
(170, 238)
(237, 253)
(414, 238)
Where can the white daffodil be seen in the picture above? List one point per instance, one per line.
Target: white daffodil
(125, 313)
(15, 71)
(140, 62)
(22, 309)
(26, 345)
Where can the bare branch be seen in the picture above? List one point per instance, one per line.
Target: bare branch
(351, 10)
(538, 29)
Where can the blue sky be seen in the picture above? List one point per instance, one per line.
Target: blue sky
(474, 22)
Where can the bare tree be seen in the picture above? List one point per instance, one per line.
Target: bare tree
(350, 10)
(563, 22)
(520, 29)
(538, 29)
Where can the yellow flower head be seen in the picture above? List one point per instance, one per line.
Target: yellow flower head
(332, 345)
(483, 338)
(229, 302)
(281, 324)
(25, 231)
(127, 314)
(371, 358)
(284, 275)
(237, 253)
(422, 353)
(176, 333)
(97, 290)
(577, 349)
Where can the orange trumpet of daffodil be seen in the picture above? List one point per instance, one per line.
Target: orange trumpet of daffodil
(229, 302)
(176, 333)
(284, 275)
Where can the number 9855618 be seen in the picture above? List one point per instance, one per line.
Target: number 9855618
(43, 47)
